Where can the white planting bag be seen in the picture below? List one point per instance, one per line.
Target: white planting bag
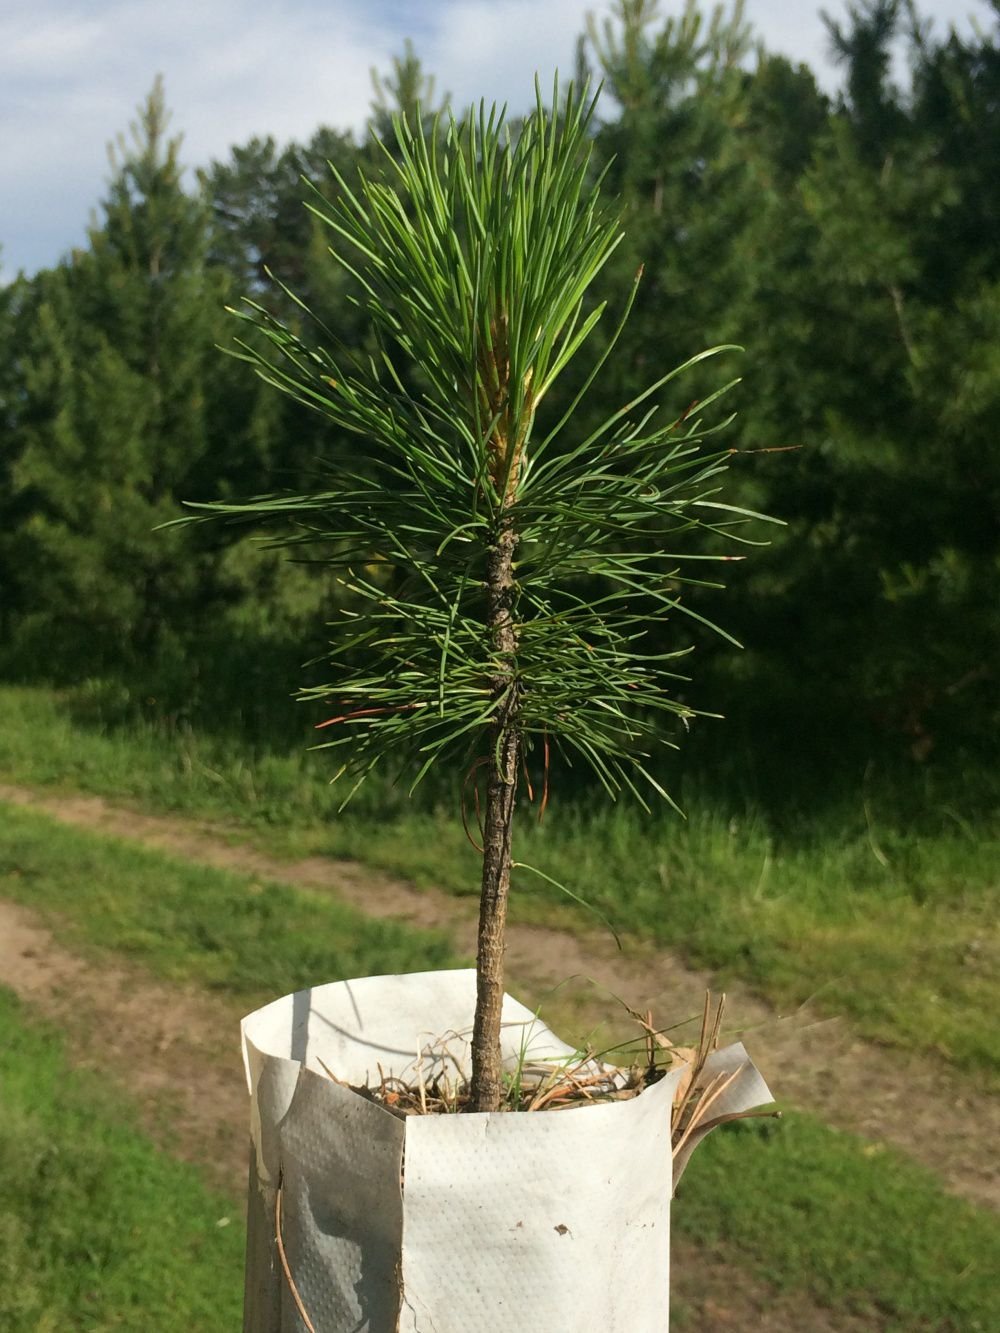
(553, 1220)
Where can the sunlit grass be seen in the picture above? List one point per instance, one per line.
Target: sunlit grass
(859, 1227)
(892, 921)
(89, 1207)
(99, 1230)
(195, 923)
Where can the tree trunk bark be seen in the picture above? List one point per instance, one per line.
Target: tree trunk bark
(504, 740)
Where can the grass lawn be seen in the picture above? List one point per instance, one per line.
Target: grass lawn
(891, 921)
(859, 1227)
(99, 1230)
(809, 1209)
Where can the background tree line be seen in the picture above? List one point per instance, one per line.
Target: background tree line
(850, 244)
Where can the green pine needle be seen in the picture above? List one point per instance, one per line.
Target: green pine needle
(475, 250)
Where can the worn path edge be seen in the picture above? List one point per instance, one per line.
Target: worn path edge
(814, 1063)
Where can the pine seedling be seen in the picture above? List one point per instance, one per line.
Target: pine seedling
(504, 573)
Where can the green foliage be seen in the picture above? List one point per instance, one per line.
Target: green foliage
(475, 257)
(406, 94)
(11, 298)
(107, 1227)
(260, 227)
(116, 410)
(883, 908)
(849, 243)
(98, 1230)
(113, 419)
(861, 1228)
(854, 243)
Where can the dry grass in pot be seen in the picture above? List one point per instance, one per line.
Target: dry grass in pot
(581, 1079)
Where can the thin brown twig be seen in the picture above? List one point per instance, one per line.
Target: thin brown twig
(709, 1095)
(284, 1261)
(329, 1072)
(714, 1045)
(477, 764)
(730, 1116)
(707, 1043)
(703, 1038)
(545, 775)
(572, 1085)
(365, 712)
(420, 1078)
(527, 776)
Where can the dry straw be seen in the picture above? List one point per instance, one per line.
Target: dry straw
(580, 1079)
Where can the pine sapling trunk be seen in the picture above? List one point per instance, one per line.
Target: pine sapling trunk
(504, 743)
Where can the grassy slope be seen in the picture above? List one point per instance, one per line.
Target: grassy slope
(193, 923)
(806, 1208)
(863, 1229)
(896, 927)
(98, 1230)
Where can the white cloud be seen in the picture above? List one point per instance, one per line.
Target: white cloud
(70, 85)
(493, 51)
(56, 45)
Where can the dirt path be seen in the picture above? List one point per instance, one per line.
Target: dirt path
(175, 1050)
(935, 1115)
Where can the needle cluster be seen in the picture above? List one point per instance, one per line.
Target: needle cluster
(474, 251)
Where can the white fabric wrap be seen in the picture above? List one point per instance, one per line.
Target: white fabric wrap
(447, 1223)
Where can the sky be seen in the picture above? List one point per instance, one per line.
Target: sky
(72, 73)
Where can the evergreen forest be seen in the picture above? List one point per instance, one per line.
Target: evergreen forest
(848, 242)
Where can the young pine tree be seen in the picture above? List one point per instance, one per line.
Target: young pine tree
(506, 564)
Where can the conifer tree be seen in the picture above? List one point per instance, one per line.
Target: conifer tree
(673, 152)
(260, 225)
(673, 160)
(114, 417)
(407, 93)
(872, 264)
(11, 297)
